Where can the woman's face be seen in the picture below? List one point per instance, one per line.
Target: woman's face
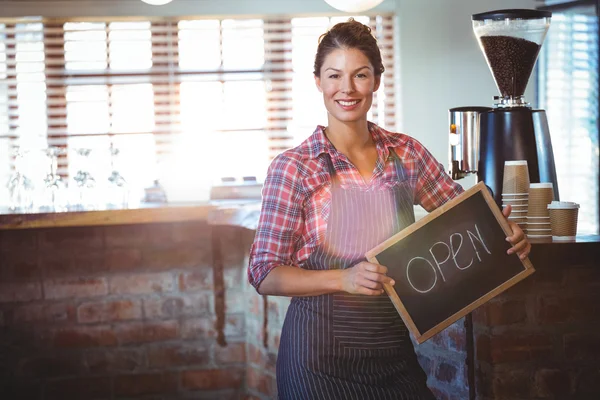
(347, 82)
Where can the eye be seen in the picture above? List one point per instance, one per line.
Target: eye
(361, 75)
(334, 76)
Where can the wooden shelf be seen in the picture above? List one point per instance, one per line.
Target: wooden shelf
(220, 212)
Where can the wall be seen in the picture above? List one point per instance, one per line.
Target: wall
(120, 312)
(441, 65)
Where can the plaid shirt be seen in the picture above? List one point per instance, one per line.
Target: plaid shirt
(296, 195)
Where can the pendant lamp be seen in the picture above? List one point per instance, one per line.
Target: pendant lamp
(157, 2)
(353, 5)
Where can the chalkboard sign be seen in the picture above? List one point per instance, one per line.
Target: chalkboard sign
(450, 262)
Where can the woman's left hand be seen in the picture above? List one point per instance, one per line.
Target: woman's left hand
(521, 245)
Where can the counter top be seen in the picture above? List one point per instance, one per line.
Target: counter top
(219, 212)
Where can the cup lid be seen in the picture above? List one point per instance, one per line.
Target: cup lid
(516, 162)
(562, 205)
(543, 185)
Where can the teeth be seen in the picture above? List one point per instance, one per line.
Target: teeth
(348, 103)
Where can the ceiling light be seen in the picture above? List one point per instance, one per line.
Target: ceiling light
(157, 2)
(353, 5)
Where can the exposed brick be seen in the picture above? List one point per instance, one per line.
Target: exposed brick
(19, 266)
(584, 276)
(142, 283)
(197, 233)
(552, 309)
(261, 382)
(197, 280)
(518, 347)
(175, 355)
(84, 336)
(75, 287)
(447, 372)
(582, 346)
(552, 383)
(126, 236)
(63, 263)
(212, 379)
(235, 325)
(115, 360)
(230, 354)
(175, 306)
(19, 239)
(145, 332)
(50, 366)
(198, 328)
(145, 384)
(15, 292)
(549, 278)
(262, 359)
(587, 383)
(119, 260)
(44, 312)
(235, 276)
(176, 257)
(77, 389)
(512, 384)
(71, 238)
(504, 312)
(105, 311)
(452, 338)
(483, 348)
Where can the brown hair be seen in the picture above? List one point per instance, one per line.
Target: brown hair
(349, 35)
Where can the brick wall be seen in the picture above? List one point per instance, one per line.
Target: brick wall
(541, 338)
(120, 312)
(128, 312)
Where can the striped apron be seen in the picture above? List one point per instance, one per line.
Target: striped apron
(345, 346)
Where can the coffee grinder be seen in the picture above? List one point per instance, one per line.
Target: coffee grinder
(511, 41)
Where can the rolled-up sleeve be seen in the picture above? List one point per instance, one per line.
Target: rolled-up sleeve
(281, 221)
(434, 186)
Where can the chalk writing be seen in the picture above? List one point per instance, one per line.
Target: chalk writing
(423, 265)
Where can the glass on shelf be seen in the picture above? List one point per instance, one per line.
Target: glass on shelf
(118, 190)
(85, 184)
(20, 186)
(54, 196)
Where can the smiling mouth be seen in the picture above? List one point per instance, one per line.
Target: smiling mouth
(348, 103)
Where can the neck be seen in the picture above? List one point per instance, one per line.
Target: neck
(349, 137)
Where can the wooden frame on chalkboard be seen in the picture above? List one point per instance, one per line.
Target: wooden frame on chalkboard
(372, 254)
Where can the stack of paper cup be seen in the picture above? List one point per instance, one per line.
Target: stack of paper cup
(515, 191)
(563, 219)
(538, 219)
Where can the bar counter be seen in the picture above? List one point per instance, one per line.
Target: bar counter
(154, 301)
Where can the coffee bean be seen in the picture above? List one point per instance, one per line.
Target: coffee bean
(511, 61)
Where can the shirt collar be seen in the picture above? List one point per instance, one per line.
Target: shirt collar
(319, 144)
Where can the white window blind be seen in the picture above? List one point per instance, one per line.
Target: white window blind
(184, 101)
(568, 91)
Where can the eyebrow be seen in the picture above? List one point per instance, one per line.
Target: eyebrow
(356, 70)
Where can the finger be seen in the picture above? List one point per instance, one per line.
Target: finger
(373, 276)
(506, 211)
(370, 284)
(519, 247)
(380, 269)
(523, 255)
(517, 233)
(369, 292)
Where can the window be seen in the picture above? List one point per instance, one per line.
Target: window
(184, 101)
(568, 91)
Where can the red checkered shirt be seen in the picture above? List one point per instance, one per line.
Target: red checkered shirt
(296, 194)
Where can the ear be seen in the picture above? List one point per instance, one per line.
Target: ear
(377, 83)
(318, 83)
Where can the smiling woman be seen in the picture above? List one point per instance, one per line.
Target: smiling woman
(345, 189)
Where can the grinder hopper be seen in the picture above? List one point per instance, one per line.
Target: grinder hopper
(511, 41)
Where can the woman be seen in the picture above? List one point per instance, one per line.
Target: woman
(347, 188)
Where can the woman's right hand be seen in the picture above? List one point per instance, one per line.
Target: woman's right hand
(365, 278)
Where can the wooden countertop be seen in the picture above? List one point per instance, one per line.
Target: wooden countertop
(221, 212)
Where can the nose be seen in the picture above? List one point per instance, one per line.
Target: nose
(347, 85)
